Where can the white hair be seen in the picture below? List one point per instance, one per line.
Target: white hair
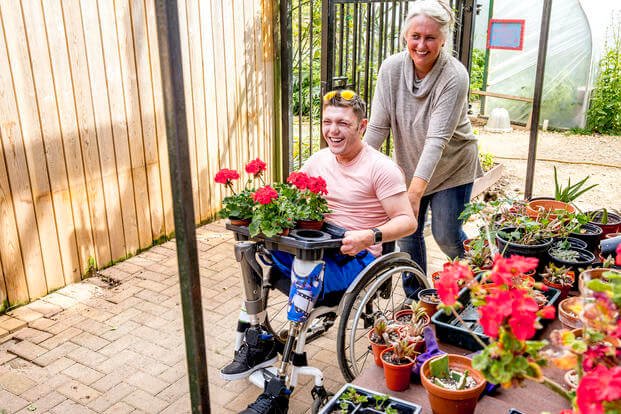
(437, 10)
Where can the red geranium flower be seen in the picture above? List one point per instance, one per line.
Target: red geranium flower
(298, 179)
(599, 385)
(618, 256)
(505, 268)
(256, 167)
(447, 285)
(317, 185)
(497, 307)
(265, 195)
(225, 176)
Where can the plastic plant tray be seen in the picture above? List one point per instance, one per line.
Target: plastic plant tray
(451, 331)
(330, 237)
(402, 406)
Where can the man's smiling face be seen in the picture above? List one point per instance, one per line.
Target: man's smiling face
(342, 131)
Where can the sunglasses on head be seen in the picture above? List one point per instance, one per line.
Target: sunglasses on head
(346, 94)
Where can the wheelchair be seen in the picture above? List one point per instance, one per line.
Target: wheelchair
(376, 291)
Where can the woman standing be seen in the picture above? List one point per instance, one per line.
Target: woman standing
(422, 97)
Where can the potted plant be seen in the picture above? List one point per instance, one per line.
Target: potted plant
(559, 277)
(413, 331)
(398, 361)
(380, 336)
(479, 254)
(509, 316)
(590, 234)
(571, 257)
(429, 300)
(531, 239)
(310, 205)
(273, 214)
(453, 386)
(239, 206)
(570, 192)
(608, 220)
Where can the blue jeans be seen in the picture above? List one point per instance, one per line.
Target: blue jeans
(446, 206)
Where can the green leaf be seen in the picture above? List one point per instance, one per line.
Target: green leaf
(439, 367)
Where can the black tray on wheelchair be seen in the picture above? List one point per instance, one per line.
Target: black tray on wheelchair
(305, 244)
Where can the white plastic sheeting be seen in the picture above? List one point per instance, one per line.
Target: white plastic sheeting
(568, 63)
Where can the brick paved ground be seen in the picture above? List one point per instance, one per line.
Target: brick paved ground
(114, 343)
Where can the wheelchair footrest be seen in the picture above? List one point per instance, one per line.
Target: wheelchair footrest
(261, 376)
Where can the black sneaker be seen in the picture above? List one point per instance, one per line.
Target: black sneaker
(275, 399)
(258, 350)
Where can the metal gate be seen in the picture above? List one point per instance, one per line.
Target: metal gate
(341, 44)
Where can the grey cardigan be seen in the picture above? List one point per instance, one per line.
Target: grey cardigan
(433, 137)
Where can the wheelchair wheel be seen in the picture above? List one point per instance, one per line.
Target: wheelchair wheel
(379, 292)
(275, 304)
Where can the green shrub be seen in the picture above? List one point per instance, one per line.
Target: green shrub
(604, 114)
(476, 72)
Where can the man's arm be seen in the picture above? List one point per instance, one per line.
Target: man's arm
(400, 224)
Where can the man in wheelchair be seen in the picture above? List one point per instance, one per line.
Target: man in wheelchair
(368, 196)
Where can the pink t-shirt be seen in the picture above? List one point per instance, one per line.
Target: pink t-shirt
(356, 188)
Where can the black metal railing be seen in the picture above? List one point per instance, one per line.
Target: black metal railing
(341, 44)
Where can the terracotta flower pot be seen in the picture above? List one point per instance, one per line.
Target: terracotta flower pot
(585, 276)
(446, 401)
(239, 222)
(426, 303)
(377, 349)
(397, 376)
(309, 224)
(466, 244)
(564, 289)
(570, 319)
(534, 207)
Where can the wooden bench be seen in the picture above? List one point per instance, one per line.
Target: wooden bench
(510, 97)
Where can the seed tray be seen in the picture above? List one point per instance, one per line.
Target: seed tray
(334, 405)
(451, 331)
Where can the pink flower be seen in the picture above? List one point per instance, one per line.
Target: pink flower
(298, 179)
(265, 195)
(618, 255)
(256, 167)
(225, 176)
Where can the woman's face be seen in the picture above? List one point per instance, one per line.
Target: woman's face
(424, 40)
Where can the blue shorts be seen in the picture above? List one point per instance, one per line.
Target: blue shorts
(340, 270)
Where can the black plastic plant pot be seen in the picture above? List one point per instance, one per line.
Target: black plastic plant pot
(583, 259)
(589, 233)
(508, 248)
(342, 402)
(570, 241)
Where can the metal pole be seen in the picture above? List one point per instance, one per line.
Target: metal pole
(534, 123)
(179, 158)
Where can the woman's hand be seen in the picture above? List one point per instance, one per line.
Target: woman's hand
(355, 241)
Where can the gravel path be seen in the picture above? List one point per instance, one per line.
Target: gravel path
(575, 157)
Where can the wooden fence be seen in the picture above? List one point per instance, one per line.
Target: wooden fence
(84, 176)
